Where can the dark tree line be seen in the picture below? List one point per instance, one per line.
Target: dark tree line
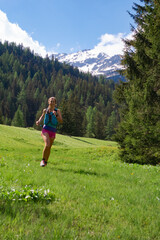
(27, 81)
(139, 98)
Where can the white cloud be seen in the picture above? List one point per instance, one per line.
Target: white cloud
(11, 32)
(111, 44)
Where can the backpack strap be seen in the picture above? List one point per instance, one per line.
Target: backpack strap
(56, 111)
(47, 110)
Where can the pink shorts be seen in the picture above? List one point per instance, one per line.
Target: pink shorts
(51, 134)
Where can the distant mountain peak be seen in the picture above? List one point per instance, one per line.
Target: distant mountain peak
(93, 61)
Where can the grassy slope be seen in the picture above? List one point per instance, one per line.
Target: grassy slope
(97, 196)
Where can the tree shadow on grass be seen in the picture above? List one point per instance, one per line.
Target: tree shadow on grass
(81, 171)
(82, 140)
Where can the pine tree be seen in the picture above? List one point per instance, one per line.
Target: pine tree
(99, 125)
(139, 98)
(66, 127)
(18, 119)
(111, 124)
(90, 122)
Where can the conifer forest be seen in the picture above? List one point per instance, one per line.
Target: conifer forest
(27, 81)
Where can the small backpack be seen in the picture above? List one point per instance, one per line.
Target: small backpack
(50, 118)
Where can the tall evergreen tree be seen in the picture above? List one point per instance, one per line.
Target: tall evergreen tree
(111, 124)
(139, 98)
(90, 122)
(99, 124)
(18, 119)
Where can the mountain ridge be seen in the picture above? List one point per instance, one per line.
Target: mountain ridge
(93, 61)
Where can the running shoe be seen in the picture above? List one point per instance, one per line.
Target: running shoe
(43, 163)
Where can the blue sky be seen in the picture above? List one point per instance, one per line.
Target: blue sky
(65, 25)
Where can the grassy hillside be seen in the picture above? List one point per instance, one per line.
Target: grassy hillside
(85, 192)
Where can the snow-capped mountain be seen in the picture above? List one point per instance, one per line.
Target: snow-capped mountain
(97, 63)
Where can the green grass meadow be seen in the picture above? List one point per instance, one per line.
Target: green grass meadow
(91, 193)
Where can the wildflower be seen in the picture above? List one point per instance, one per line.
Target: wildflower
(45, 192)
(27, 196)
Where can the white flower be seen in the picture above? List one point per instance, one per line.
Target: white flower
(45, 192)
(27, 196)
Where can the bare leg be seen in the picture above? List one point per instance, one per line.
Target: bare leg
(49, 149)
(48, 144)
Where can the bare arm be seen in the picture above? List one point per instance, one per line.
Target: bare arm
(41, 117)
(59, 116)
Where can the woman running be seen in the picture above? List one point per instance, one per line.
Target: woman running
(52, 117)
